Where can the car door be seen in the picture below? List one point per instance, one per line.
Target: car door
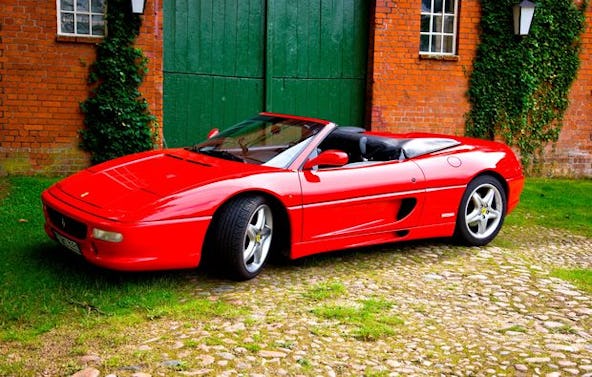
(345, 205)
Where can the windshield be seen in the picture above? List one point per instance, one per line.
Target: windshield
(264, 140)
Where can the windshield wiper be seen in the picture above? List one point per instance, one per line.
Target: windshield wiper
(218, 153)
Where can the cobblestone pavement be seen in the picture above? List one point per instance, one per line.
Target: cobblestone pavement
(443, 310)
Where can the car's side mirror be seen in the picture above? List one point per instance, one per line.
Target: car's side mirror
(331, 157)
(213, 132)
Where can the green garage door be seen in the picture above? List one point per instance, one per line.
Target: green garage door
(227, 60)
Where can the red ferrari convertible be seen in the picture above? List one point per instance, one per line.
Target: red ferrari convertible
(281, 184)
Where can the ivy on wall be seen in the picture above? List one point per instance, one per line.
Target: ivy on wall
(117, 120)
(519, 85)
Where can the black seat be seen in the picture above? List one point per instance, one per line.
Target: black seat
(361, 147)
(346, 141)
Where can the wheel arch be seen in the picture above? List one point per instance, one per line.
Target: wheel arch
(280, 214)
(500, 178)
(462, 233)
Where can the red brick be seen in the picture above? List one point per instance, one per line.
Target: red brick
(43, 80)
(410, 93)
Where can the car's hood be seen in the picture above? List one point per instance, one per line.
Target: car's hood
(133, 182)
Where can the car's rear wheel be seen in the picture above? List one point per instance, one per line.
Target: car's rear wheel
(481, 212)
(244, 236)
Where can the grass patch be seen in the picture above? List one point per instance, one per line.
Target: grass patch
(581, 278)
(4, 187)
(371, 319)
(555, 203)
(515, 328)
(42, 286)
(325, 291)
(560, 204)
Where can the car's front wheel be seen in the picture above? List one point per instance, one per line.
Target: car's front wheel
(244, 235)
(481, 212)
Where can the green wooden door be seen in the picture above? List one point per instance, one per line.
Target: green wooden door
(230, 59)
(213, 71)
(317, 56)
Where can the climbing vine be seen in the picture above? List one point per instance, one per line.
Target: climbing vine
(519, 85)
(117, 120)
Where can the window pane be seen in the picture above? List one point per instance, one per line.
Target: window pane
(82, 17)
(98, 25)
(438, 34)
(67, 23)
(449, 8)
(437, 28)
(82, 6)
(424, 43)
(97, 6)
(425, 23)
(448, 44)
(67, 5)
(436, 43)
(449, 24)
(426, 6)
(437, 6)
(82, 24)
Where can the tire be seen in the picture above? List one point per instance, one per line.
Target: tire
(243, 237)
(481, 212)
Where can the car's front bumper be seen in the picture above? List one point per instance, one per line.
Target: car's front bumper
(155, 245)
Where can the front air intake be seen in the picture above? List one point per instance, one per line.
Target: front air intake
(67, 224)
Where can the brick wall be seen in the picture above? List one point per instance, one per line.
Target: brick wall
(151, 43)
(411, 93)
(43, 80)
(572, 154)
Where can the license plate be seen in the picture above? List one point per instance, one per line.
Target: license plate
(68, 243)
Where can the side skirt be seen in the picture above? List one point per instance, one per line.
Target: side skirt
(303, 249)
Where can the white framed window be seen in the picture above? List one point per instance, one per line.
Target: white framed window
(81, 18)
(438, 27)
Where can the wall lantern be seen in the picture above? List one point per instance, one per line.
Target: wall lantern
(138, 6)
(523, 14)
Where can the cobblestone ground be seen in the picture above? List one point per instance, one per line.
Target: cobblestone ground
(442, 311)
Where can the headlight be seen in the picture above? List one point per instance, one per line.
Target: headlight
(104, 235)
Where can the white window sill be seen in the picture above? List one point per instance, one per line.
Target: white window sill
(443, 57)
(79, 39)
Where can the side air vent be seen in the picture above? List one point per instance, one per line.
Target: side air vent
(402, 233)
(407, 206)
